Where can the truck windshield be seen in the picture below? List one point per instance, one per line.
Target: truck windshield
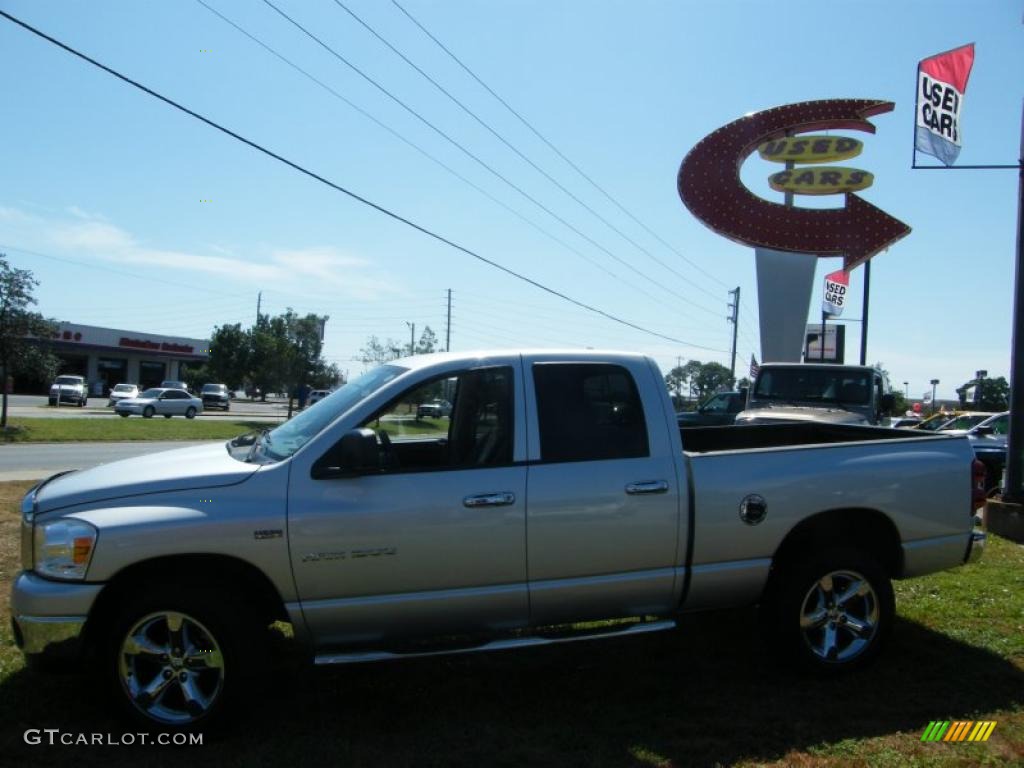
(282, 442)
(815, 385)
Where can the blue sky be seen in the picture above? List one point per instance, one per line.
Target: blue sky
(100, 174)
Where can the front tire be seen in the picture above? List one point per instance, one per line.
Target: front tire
(832, 612)
(148, 412)
(175, 659)
(190, 413)
(123, 415)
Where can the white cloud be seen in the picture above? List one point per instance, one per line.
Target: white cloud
(306, 271)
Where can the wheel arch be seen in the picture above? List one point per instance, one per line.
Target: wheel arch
(199, 571)
(866, 529)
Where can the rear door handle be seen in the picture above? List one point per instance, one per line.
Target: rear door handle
(502, 499)
(647, 486)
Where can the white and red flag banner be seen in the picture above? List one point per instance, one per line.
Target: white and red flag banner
(837, 284)
(941, 84)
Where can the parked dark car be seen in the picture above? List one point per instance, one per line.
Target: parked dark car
(989, 442)
(216, 396)
(717, 410)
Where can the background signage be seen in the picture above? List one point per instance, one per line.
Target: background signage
(837, 286)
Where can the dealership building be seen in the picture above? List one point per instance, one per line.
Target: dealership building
(110, 356)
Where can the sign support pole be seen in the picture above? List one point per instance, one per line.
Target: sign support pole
(1014, 492)
(864, 314)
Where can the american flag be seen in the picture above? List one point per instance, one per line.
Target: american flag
(754, 367)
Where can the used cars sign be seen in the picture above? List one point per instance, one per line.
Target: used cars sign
(836, 286)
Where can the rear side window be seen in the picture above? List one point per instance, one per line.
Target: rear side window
(587, 412)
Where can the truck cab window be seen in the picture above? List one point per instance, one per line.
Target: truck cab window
(454, 422)
(588, 412)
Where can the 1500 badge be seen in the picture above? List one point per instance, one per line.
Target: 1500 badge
(353, 554)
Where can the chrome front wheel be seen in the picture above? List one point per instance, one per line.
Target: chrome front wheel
(171, 668)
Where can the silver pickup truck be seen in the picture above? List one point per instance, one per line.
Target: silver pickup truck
(560, 491)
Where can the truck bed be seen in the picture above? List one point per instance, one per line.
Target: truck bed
(741, 437)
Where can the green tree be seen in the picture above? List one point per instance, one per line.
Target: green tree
(230, 350)
(18, 324)
(376, 352)
(990, 395)
(195, 376)
(268, 353)
(711, 378)
(691, 371)
(427, 342)
(675, 381)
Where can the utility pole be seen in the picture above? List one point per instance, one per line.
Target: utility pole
(734, 319)
(259, 301)
(448, 325)
(412, 337)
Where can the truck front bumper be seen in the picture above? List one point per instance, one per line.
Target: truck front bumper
(47, 617)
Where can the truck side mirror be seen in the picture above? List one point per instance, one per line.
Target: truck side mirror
(355, 454)
(888, 401)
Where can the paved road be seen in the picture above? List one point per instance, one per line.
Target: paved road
(20, 461)
(25, 406)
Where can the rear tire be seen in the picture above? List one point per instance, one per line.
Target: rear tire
(167, 415)
(148, 412)
(123, 415)
(830, 613)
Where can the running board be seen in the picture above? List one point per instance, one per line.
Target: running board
(358, 657)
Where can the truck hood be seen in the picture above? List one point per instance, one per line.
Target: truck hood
(181, 469)
(775, 413)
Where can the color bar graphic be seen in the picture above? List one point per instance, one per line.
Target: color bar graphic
(958, 730)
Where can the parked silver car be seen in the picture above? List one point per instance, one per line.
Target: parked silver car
(161, 402)
(317, 395)
(122, 392)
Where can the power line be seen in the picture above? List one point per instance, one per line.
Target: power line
(555, 149)
(441, 163)
(515, 149)
(339, 188)
(479, 161)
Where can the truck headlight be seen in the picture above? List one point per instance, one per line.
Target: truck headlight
(63, 548)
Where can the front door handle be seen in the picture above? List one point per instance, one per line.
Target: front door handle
(647, 486)
(502, 499)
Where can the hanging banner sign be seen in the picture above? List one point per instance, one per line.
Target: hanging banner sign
(941, 83)
(823, 180)
(810, 149)
(837, 285)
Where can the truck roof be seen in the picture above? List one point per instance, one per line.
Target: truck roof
(599, 355)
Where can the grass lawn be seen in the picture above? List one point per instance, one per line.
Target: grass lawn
(707, 695)
(115, 429)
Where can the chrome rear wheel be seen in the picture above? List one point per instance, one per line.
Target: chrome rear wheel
(839, 616)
